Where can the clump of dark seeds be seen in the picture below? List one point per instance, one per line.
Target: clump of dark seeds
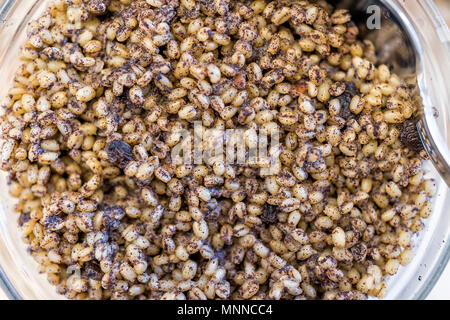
(119, 153)
(24, 218)
(270, 214)
(350, 91)
(91, 270)
(409, 136)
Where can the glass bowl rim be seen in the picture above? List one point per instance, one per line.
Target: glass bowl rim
(433, 13)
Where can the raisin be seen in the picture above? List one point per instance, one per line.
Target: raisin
(91, 270)
(24, 218)
(119, 153)
(350, 91)
(409, 136)
(270, 214)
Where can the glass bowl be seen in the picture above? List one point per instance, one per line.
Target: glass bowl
(19, 273)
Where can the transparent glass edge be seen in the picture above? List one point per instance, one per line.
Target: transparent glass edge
(434, 15)
(436, 273)
(4, 9)
(439, 266)
(7, 287)
(432, 11)
(5, 283)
